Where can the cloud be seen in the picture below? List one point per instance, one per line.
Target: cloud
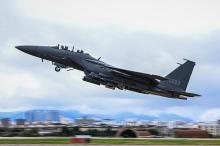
(169, 17)
(16, 82)
(210, 115)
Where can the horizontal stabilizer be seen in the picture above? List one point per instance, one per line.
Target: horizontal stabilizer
(189, 94)
(185, 93)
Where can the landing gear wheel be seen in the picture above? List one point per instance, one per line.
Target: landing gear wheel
(57, 69)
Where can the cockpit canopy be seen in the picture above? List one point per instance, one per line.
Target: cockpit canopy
(62, 47)
(80, 51)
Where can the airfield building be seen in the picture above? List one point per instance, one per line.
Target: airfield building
(6, 122)
(42, 116)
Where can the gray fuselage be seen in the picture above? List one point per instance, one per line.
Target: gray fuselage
(100, 73)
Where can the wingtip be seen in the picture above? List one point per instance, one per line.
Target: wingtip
(189, 60)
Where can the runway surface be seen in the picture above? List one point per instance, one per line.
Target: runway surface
(84, 145)
(64, 141)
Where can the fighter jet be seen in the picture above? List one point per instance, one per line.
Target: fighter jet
(100, 73)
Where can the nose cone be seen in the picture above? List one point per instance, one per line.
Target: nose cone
(22, 48)
(32, 50)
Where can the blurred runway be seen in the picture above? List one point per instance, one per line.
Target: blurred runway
(83, 145)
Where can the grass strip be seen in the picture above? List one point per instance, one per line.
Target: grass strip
(115, 141)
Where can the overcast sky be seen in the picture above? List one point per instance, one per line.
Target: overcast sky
(143, 35)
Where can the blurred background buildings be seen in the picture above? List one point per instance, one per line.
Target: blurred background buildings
(42, 116)
(52, 123)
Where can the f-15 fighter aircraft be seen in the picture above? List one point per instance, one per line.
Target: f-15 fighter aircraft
(100, 73)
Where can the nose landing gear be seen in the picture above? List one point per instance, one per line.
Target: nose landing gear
(57, 68)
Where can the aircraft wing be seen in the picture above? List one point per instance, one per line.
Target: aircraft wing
(135, 75)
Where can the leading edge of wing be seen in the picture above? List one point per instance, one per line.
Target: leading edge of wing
(139, 74)
(128, 73)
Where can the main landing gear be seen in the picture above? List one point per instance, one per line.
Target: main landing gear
(57, 68)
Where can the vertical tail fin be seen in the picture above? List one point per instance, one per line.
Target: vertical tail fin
(179, 78)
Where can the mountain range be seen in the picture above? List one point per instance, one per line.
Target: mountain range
(116, 117)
